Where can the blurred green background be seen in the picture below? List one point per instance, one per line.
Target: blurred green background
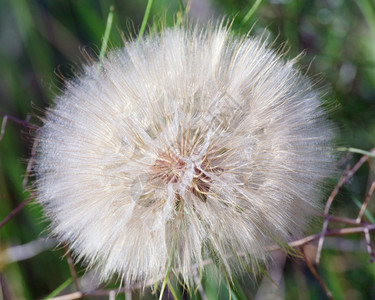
(43, 42)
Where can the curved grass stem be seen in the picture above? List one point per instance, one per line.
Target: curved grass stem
(145, 19)
(107, 32)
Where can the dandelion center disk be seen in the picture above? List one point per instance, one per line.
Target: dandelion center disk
(169, 167)
(188, 145)
(172, 167)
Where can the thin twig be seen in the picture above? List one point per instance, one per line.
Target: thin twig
(30, 163)
(128, 295)
(316, 274)
(75, 295)
(73, 271)
(15, 211)
(338, 232)
(3, 124)
(344, 178)
(345, 220)
(28, 250)
(5, 294)
(369, 246)
(112, 295)
(33, 150)
(365, 203)
(14, 119)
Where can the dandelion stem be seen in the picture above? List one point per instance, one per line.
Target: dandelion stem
(145, 19)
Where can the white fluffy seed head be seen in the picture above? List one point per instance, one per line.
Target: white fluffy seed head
(186, 145)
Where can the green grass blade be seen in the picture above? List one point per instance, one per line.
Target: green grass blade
(60, 288)
(368, 10)
(172, 290)
(355, 150)
(166, 279)
(368, 215)
(145, 19)
(164, 284)
(251, 12)
(107, 32)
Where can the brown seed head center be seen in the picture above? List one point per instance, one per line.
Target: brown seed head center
(170, 169)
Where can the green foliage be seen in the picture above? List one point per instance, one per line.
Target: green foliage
(41, 38)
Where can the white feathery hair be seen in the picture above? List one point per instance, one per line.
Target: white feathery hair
(189, 144)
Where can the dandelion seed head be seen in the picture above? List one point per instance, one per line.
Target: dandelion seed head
(187, 145)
